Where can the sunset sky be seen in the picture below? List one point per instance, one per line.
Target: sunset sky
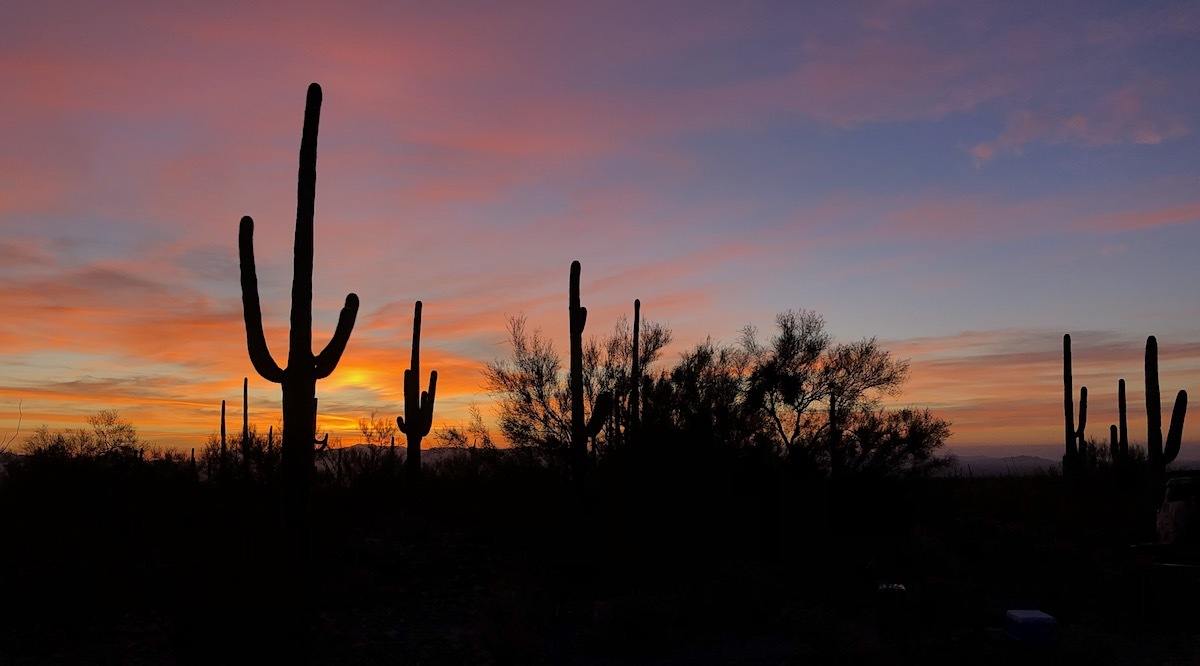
(966, 181)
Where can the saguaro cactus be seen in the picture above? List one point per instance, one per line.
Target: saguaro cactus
(1114, 447)
(224, 453)
(246, 425)
(418, 404)
(1075, 445)
(299, 379)
(635, 375)
(1159, 457)
(1122, 422)
(581, 430)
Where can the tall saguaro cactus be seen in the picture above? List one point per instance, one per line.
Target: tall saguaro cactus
(635, 376)
(418, 404)
(581, 430)
(299, 379)
(1159, 457)
(1074, 435)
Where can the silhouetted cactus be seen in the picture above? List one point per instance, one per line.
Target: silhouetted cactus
(418, 404)
(1157, 456)
(1076, 451)
(1122, 423)
(221, 468)
(1114, 448)
(635, 376)
(581, 430)
(299, 379)
(246, 426)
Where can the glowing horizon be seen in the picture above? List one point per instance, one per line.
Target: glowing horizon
(965, 183)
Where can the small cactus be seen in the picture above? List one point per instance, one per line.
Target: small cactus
(418, 404)
(321, 443)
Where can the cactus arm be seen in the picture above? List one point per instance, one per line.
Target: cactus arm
(328, 359)
(400, 425)
(427, 400)
(1114, 447)
(256, 342)
(604, 404)
(1175, 434)
(1082, 413)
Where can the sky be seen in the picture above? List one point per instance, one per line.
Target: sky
(966, 181)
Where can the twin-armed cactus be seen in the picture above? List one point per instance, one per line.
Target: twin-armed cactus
(581, 430)
(1159, 457)
(418, 404)
(1076, 446)
(299, 378)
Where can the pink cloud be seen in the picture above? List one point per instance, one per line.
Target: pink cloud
(1132, 114)
(1142, 219)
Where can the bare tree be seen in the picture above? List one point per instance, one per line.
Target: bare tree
(7, 440)
(787, 379)
(376, 431)
(109, 435)
(533, 398)
(474, 434)
(854, 375)
(903, 442)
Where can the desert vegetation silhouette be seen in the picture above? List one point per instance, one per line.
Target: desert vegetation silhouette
(764, 500)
